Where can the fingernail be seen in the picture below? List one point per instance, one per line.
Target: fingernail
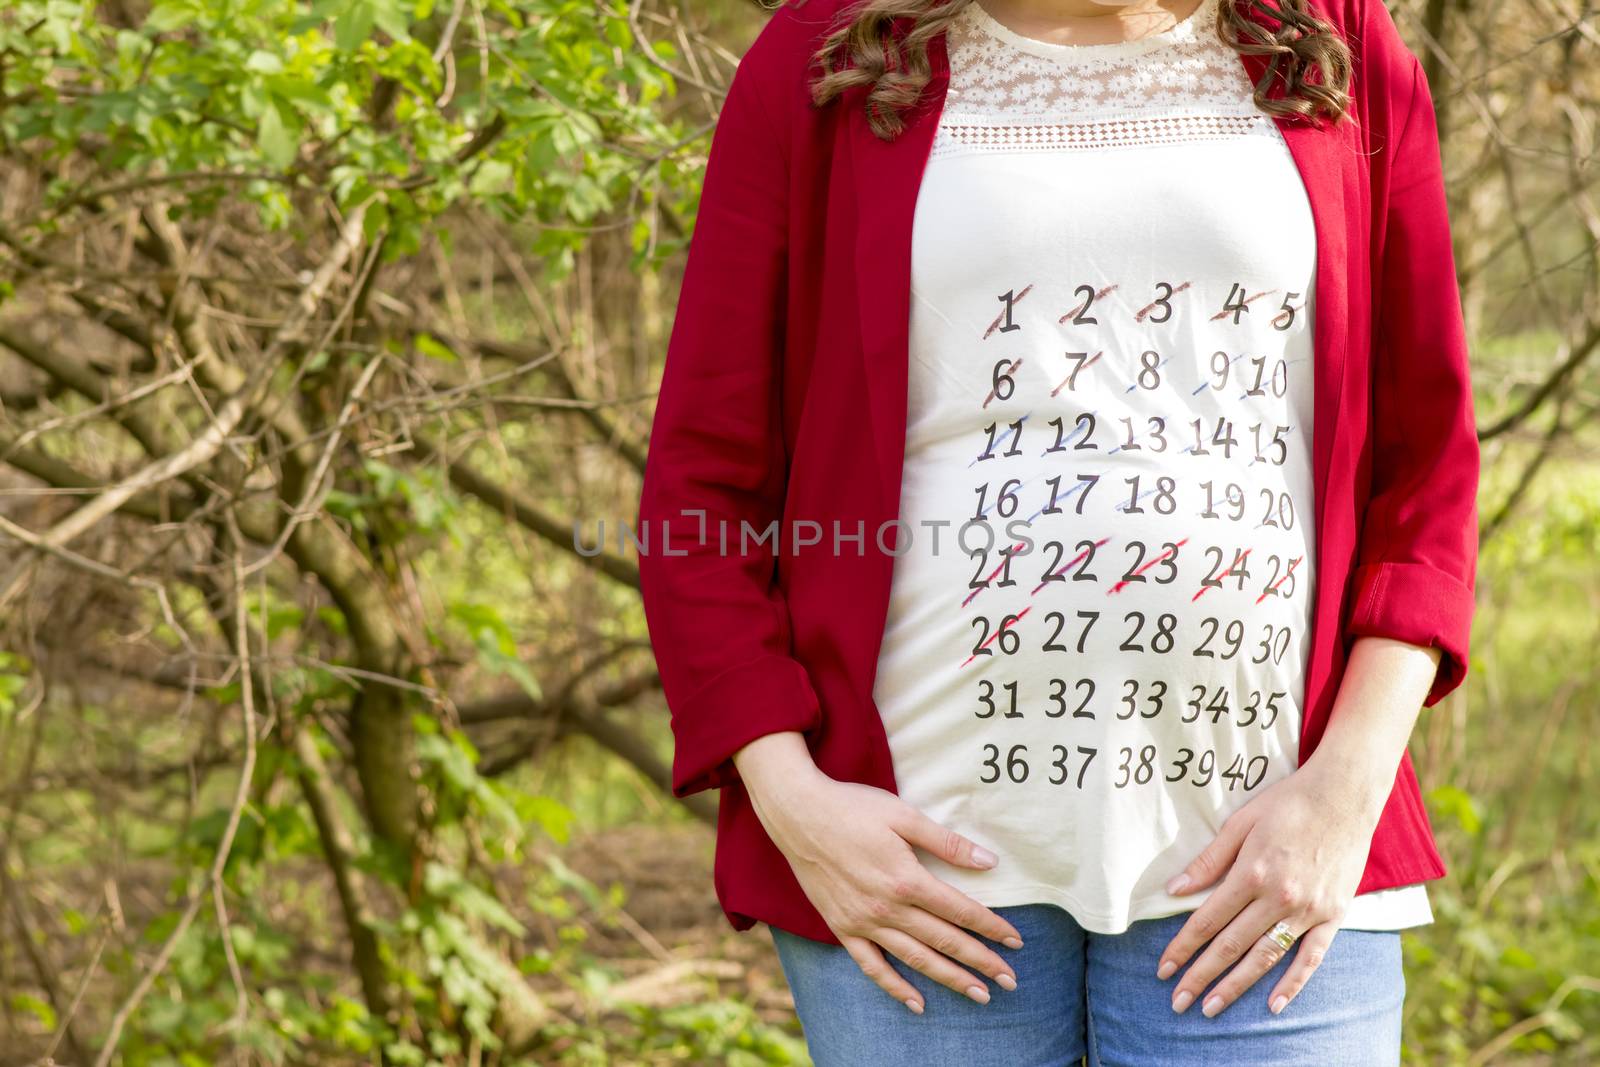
(1178, 884)
(978, 993)
(1182, 1001)
(983, 857)
(1006, 981)
(1278, 1003)
(1012, 942)
(1211, 1007)
(914, 1006)
(1166, 970)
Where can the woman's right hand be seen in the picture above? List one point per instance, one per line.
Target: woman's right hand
(851, 848)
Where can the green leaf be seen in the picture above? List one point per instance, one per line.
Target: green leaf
(471, 901)
(393, 19)
(1517, 956)
(39, 1009)
(352, 27)
(493, 176)
(1457, 803)
(263, 62)
(434, 349)
(278, 144)
(553, 817)
(170, 15)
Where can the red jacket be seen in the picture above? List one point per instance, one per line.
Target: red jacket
(784, 399)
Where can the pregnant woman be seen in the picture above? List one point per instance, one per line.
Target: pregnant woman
(1059, 509)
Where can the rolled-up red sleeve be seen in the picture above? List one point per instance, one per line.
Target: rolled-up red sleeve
(1416, 565)
(717, 618)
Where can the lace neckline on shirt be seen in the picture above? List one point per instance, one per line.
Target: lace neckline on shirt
(1004, 77)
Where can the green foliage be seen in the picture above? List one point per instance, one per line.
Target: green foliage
(1507, 970)
(14, 672)
(234, 116)
(497, 647)
(1497, 956)
(554, 117)
(715, 1031)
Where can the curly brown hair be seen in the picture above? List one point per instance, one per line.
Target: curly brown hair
(884, 47)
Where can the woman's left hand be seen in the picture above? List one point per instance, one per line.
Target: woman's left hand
(1296, 852)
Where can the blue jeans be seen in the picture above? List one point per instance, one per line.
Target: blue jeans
(1086, 996)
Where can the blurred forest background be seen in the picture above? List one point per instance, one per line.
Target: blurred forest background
(319, 742)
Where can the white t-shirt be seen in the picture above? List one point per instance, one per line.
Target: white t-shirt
(1097, 636)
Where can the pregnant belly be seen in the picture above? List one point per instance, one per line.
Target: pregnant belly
(1122, 628)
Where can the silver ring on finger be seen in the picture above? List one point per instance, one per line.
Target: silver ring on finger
(1281, 935)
